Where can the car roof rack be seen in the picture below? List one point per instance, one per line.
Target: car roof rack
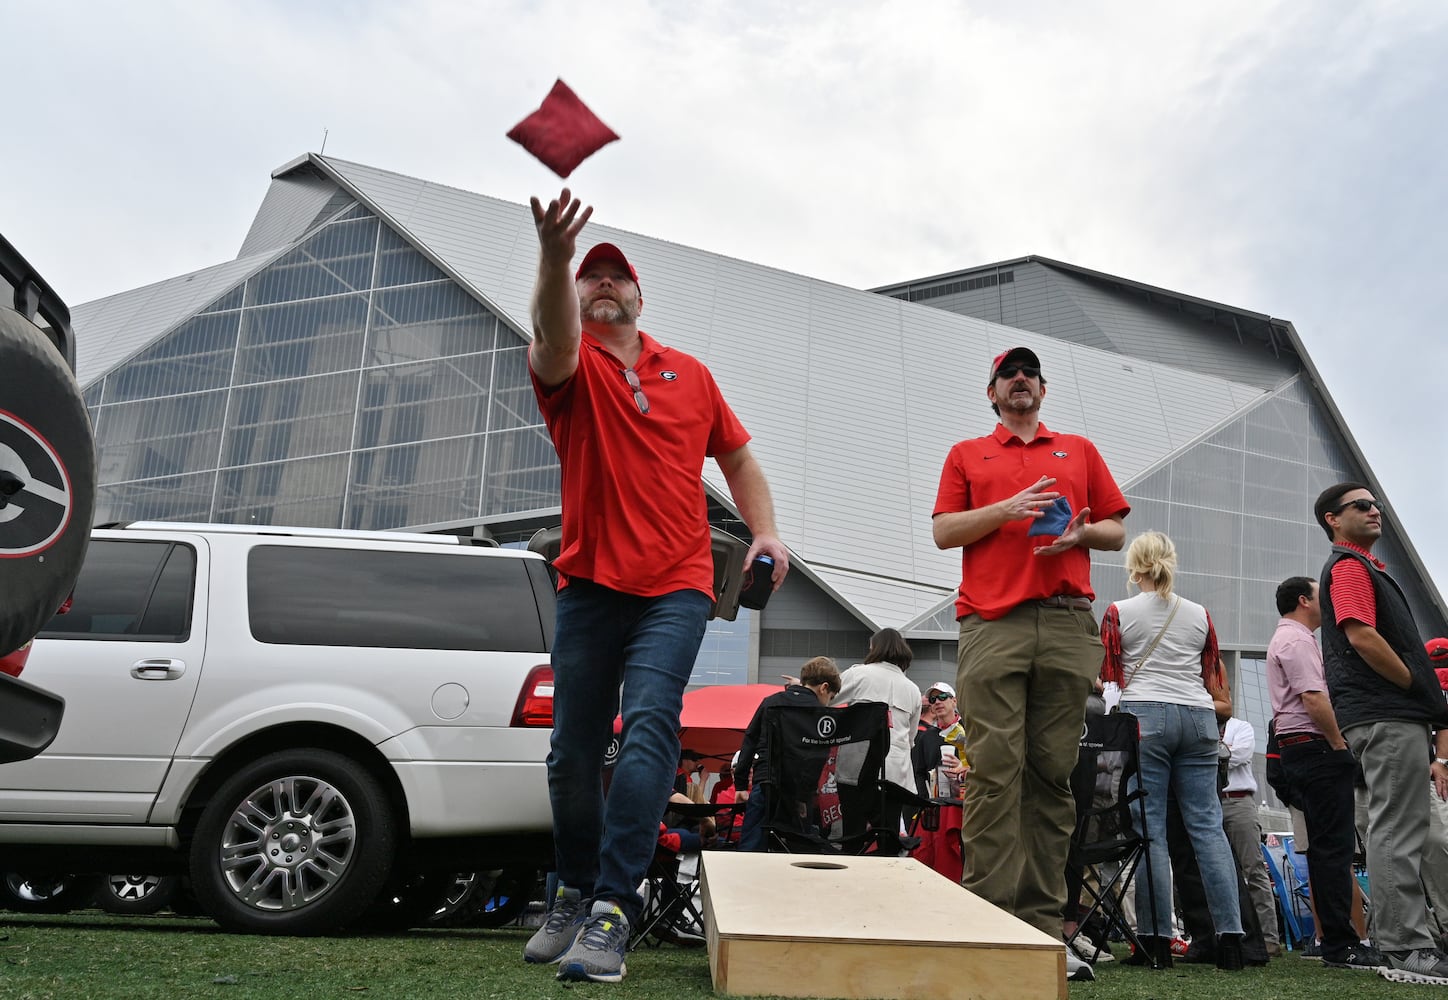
(33, 295)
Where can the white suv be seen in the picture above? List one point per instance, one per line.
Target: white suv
(290, 716)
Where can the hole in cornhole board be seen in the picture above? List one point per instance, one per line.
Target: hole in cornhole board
(828, 866)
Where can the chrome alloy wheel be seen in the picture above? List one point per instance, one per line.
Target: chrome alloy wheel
(287, 843)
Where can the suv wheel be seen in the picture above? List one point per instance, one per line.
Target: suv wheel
(136, 894)
(26, 893)
(298, 842)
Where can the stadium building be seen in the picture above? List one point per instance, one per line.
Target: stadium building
(361, 363)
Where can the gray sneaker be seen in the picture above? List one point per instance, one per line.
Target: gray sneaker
(560, 928)
(597, 955)
(1425, 965)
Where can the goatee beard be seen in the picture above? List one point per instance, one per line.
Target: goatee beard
(607, 311)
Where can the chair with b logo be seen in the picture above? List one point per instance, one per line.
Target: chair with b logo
(827, 788)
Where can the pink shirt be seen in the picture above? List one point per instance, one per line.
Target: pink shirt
(1294, 665)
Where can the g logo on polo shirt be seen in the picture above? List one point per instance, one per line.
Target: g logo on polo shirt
(668, 376)
(1059, 454)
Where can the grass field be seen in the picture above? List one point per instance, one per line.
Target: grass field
(94, 956)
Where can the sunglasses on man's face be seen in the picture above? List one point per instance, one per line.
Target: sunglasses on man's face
(1009, 371)
(938, 697)
(1362, 505)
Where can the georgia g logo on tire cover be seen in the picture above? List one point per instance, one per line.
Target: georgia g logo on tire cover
(36, 516)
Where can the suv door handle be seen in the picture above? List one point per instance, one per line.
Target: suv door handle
(162, 669)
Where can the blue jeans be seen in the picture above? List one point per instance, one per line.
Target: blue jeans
(647, 645)
(1179, 753)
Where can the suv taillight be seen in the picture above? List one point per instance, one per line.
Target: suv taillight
(535, 704)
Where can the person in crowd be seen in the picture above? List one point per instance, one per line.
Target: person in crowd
(818, 684)
(938, 713)
(882, 678)
(724, 785)
(1435, 848)
(1243, 829)
(1029, 647)
(632, 421)
(1162, 651)
(1386, 698)
(1318, 768)
(689, 773)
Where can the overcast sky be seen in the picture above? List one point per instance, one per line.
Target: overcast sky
(1287, 158)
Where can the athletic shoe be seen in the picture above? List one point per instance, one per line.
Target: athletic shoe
(560, 928)
(1359, 956)
(1425, 965)
(1085, 950)
(597, 955)
(1078, 971)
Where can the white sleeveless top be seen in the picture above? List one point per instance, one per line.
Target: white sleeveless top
(1173, 672)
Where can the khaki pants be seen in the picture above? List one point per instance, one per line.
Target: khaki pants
(1023, 681)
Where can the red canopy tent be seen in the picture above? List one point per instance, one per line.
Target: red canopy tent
(714, 718)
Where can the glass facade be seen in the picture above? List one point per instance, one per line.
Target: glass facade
(350, 383)
(1238, 505)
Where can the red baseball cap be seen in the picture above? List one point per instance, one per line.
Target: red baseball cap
(1437, 650)
(607, 251)
(1024, 354)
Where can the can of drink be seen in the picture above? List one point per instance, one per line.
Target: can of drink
(758, 584)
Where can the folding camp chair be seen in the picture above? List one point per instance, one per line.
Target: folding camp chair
(1111, 822)
(1294, 935)
(826, 792)
(1299, 891)
(671, 910)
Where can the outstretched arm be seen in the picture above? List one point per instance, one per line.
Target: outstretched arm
(751, 495)
(557, 325)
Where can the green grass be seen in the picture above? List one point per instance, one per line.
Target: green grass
(97, 957)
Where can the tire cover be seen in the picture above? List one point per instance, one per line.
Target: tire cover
(46, 443)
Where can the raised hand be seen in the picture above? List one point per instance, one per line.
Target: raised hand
(559, 225)
(1031, 502)
(1074, 535)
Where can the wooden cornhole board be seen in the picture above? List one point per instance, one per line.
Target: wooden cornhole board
(798, 925)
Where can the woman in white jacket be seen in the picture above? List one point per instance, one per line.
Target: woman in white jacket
(882, 678)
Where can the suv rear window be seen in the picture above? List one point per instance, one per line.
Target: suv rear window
(130, 590)
(393, 600)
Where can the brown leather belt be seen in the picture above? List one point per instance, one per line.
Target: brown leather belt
(1235, 795)
(1068, 601)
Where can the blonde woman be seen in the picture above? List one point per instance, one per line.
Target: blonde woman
(1162, 651)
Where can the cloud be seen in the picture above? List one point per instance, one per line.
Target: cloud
(1281, 157)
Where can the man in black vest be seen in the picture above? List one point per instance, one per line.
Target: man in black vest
(1386, 699)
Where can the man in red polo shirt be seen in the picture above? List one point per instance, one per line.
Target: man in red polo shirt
(1386, 698)
(632, 421)
(1029, 644)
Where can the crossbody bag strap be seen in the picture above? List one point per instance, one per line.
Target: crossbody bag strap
(1152, 648)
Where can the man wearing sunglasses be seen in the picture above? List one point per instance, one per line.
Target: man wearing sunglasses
(632, 421)
(1029, 643)
(1387, 700)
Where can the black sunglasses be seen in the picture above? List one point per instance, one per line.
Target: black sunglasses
(632, 377)
(1364, 505)
(1009, 371)
(937, 697)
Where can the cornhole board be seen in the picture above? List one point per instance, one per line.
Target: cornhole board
(796, 925)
